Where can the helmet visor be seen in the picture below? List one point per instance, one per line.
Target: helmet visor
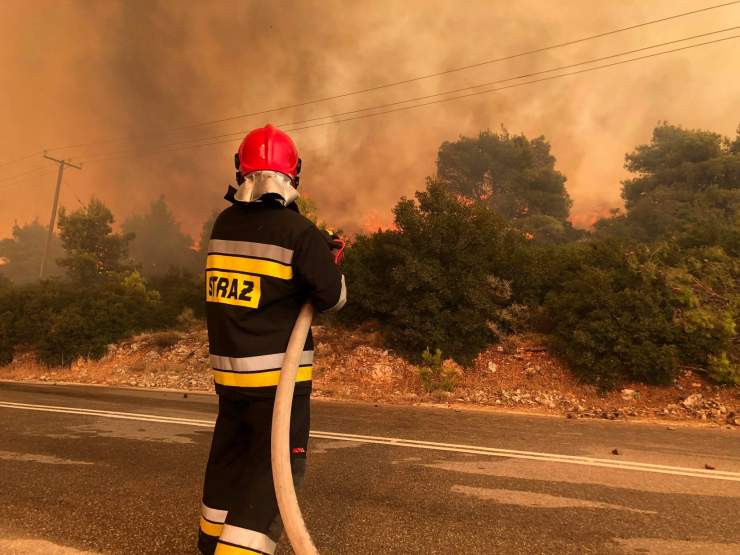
(259, 183)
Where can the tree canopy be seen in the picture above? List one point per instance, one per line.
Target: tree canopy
(513, 175)
(92, 249)
(432, 281)
(22, 253)
(159, 243)
(686, 189)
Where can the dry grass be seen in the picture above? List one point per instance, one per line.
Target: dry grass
(164, 339)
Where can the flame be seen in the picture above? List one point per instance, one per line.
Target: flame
(372, 221)
(586, 219)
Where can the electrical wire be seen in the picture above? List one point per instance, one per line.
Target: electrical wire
(298, 125)
(237, 134)
(22, 180)
(407, 81)
(14, 177)
(21, 159)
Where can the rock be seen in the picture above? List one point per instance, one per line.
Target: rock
(492, 367)
(693, 401)
(629, 394)
(709, 466)
(616, 452)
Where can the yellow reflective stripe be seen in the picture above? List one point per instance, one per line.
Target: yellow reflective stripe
(209, 528)
(249, 265)
(258, 379)
(223, 549)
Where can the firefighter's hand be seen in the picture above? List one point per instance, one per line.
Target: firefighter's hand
(337, 246)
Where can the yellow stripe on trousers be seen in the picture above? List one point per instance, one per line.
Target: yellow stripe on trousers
(210, 528)
(249, 265)
(223, 549)
(258, 379)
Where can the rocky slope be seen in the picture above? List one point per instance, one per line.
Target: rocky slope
(352, 364)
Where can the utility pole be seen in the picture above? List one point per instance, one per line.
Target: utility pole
(62, 164)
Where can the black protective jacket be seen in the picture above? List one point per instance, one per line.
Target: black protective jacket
(264, 261)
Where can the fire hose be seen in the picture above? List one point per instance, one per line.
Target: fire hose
(282, 476)
(290, 512)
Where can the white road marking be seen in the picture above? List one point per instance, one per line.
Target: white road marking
(410, 443)
(539, 500)
(32, 457)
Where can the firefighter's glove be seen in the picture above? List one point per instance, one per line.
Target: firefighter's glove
(337, 246)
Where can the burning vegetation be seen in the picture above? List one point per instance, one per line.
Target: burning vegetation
(646, 295)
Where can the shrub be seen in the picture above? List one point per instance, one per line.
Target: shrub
(431, 283)
(181, 290)
(434, 375)
(165, 339)
(704, 284)
(8, 334)
(635, 312)
(63, 320)
(722, 370)
(611, 318)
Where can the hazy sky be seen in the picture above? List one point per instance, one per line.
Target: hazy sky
(81, 72)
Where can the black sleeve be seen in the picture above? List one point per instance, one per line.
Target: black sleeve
(314, 269)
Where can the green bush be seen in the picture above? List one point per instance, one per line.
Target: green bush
(432, 282)
(62, 320)
(610, 318)
(433, 375)
(635, 312)
(8, 302)
(707, 306)
(181, 290)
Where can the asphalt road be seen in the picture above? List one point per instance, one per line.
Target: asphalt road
(79, 474)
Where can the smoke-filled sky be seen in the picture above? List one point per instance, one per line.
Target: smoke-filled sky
(81, 71)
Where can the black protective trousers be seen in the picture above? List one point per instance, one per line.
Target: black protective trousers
(239, 514)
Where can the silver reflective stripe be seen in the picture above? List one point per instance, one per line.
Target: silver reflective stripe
(245, 248)
(342, 298)
(213, 515)
(247, 538)
(256, 364)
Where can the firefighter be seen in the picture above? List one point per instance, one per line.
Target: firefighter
(264, 261)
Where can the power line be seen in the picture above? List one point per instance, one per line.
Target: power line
(21, 159)
(487, 91)
(236, 134)
(20, 181)
(16, 176)
(409, 80)
(439, 101)
(74, 194)
(291, 126)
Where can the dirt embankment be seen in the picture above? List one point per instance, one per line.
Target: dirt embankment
(520, 375)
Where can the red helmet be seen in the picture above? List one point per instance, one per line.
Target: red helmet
(268, 149)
